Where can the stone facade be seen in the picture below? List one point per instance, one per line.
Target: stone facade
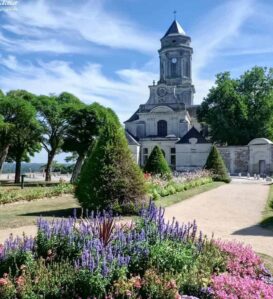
(168, 119)
(236, 158)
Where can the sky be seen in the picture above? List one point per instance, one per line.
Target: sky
(106, 50)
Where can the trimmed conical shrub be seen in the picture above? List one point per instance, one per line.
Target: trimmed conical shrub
(157, 164)
(216, 165)
(110, 179)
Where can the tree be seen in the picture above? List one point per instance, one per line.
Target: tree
(53, 113)
(157, 164)
(256, 85)
(239, 110)
(110, 179)
(217, 166)
(80, 134)
(27, 135)
(26, 142)
(16, 115)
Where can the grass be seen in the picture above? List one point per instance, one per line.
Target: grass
(267, 221)
(26, 213)
(180, 196)
(268, 261)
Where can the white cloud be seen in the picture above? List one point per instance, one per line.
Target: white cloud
(220, 29)
(45, 21)
(90, 84)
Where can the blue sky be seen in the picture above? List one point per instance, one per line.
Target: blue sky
(106, 50)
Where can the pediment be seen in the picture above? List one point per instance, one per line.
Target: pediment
(162, 109)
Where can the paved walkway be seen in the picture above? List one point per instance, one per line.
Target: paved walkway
(231, 211)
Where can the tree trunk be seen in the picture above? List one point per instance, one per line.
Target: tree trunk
(48, 166)
(17, 171)
(3, 155)
(77, 169)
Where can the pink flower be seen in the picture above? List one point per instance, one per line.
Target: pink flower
(171, 284)
(177, 296)
(137, 282)
(20, 281)
(226, 286)
(241, 259)
(3, 282)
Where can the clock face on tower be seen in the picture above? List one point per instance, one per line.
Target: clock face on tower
(161, 91)
(174, 60)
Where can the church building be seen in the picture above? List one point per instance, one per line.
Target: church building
(168, 119)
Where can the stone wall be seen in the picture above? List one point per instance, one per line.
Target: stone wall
(236, 158)
(260, 154)
(191, 156)
(165, 145)
(254, 158)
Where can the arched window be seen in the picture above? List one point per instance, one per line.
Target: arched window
(173, 70)
(187, 68)
(162, 128)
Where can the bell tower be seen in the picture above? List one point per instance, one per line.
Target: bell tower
(175, 56)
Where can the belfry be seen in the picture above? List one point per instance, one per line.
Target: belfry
(169, 113)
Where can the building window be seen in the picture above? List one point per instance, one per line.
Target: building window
(173, 69)
(145, 155)
(162, 128)
(140, 131)
(187, 68)
(173, 156)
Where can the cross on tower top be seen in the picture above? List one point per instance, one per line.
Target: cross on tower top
(174, 14)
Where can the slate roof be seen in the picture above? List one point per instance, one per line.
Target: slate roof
(133, 117)
(192, 133)
(175, 28)
(130, 139)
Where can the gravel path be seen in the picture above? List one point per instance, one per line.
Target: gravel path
(231, 212)
(29, 230)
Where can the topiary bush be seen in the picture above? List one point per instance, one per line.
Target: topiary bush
(216, 165)
(157, 164)
(110, 179)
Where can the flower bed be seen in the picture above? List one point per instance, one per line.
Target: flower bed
(96, 257)
(14, 194)
(159, 186)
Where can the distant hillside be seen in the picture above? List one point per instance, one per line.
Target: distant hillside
(26, 167)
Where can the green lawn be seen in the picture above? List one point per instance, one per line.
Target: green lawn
(267, 221)
(268, 261)
(180, 196)
(25, 213)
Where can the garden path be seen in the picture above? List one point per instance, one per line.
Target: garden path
(231, 211)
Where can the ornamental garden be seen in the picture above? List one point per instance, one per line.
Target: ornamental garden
(98, 254)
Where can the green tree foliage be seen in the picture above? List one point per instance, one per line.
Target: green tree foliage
(19, 131)
(53, 114)
(110, 179)
(238, 110)
(157, 164)
(217, 166)
(27, 135)
(80, 135)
